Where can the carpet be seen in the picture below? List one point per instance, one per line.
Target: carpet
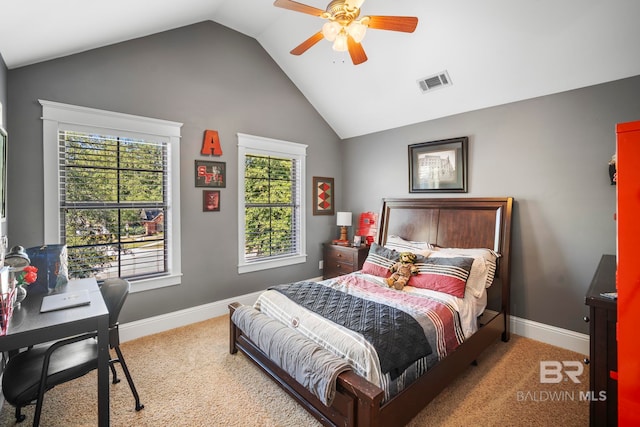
(186, 377)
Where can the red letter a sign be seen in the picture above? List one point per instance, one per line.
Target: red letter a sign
(211, 144)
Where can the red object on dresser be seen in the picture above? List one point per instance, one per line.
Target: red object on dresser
(628, 274)
(368, 226)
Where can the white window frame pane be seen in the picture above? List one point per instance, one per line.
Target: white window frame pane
(257, 145)
(56, 115)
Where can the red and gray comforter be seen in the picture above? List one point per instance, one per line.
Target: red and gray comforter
(397, 337)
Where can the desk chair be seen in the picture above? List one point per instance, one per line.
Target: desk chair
(30, 373)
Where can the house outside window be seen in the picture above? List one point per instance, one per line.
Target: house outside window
(271, 229)
(112, 194)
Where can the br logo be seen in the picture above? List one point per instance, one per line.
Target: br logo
(553, 372)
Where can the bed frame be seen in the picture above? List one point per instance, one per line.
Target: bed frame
(461, 223)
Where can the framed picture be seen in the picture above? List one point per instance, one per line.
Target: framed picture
(323, 197)
(438, 166)
(210, 201)
(210, 174)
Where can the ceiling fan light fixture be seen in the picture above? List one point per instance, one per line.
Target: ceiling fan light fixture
(330, 30)
(345, 29)
(354, 4)
(340, 44)
(357, 30)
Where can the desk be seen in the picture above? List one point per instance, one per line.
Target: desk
(29, 327)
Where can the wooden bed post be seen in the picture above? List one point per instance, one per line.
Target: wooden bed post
(234, 331)
(505, 268)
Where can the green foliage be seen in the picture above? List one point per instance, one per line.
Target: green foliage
(270, 206)
(105, 178)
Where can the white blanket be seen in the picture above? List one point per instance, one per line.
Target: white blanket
(350, 346)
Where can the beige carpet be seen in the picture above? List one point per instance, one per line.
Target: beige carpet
(186, 377)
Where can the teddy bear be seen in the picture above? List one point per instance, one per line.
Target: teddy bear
(402, 271)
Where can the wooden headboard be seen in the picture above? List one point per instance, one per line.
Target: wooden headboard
(455, 223)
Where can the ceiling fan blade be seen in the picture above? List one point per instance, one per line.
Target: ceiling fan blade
(406, 24)
(298, 7)
(356, 51)
(305, 45)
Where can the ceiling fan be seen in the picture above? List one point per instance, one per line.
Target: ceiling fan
(345, 28)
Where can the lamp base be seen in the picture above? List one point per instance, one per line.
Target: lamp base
(343, 233)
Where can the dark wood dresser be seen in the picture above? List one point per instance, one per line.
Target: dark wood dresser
(339, 260)
(603, 351)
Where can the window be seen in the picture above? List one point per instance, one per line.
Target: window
(271, 203)
(112, 194)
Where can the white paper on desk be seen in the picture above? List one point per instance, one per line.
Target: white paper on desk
(65, 300)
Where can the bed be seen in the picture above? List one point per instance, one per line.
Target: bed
(462, 223)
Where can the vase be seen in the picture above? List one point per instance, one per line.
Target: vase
(21, 294)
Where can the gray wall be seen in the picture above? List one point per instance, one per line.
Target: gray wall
(208, 77)
(551, 154)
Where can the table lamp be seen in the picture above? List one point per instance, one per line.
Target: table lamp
(343, 221)
(17, 258)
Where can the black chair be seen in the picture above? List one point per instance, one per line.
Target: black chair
(29, 374)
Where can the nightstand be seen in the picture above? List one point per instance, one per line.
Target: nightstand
(339, 260)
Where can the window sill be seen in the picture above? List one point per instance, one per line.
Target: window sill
(274, 263)
(155, 283)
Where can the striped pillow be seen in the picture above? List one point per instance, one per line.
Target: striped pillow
(484, 266)
(379, 260)
(448, 275)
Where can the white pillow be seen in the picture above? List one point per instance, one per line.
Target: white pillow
(402, 245)
(483, 269)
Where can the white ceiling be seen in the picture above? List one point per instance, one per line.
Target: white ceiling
(495, 51)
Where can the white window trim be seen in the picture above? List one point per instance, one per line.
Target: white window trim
(260, 145)
(54, 114)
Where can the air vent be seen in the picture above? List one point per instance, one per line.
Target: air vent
(437, 81)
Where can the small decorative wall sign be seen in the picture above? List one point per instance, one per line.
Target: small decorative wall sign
(323, 197)
(210, 200)
(211, 144)
(210, 174)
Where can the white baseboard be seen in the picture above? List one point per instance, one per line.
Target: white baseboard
(558, 337)
(153, 325)
(553, 335)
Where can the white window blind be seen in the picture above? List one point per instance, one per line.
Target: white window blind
(113, 201)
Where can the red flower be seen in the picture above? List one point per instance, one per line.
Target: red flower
(28, 275)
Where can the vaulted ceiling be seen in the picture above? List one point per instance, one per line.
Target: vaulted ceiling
(494, 51)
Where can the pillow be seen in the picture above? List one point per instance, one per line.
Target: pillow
(483, 269)
(401, 245)
(445, 274)
(379, 260)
